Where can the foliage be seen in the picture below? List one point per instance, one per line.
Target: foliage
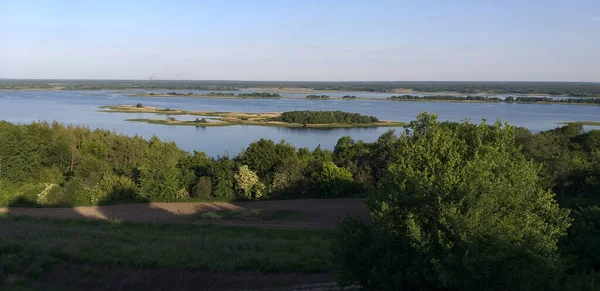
(203, 188)
(159, 176)
(326, 117)
(460, 208)
(222, 171)
(333, 181)
(245, 181)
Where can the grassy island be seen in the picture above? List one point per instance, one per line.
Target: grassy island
(317, 97)
(210, 95)
(509, 99)
(308, 119)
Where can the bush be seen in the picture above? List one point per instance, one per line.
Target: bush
(113, 188)
(203, 188)
(246, 180)
(139, 105)
(457, 208)
(333, 181)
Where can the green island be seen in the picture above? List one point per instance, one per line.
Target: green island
(509, 99)
(318, 97)
(307, 119)
(210, 94)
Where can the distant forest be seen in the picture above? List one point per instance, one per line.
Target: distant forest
(580, 89)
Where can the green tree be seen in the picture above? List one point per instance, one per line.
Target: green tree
(221, 172)
(246, 181)
(457, 208)
(333, 181)
(159, 175)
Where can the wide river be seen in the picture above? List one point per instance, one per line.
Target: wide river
(80, 107)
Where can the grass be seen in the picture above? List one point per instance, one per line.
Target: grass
(589, 123)
(33, 242)
(232, 118)
(244, 215)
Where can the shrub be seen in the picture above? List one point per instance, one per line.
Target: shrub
(182, 194)
(333, 181)
(113, 188)
(457, 208)
(246, 180)
(139, 105)
(203, 188)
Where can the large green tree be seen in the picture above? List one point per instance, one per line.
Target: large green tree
(457, 208)
(159, 176)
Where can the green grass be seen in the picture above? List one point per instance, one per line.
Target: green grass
(244, 215)
(28, 244)
(589, 123)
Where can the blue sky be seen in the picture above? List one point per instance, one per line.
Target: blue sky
(527, 40)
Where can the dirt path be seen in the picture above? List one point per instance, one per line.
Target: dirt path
(307, 213)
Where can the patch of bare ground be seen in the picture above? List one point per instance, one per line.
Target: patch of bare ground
(303, 213)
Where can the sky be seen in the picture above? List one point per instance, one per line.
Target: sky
(304, 40)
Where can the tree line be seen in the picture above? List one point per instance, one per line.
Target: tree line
(496, 99)
(255, 94)
(325, 117)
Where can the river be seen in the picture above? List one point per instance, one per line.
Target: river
(80, 107)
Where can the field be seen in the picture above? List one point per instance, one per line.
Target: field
(188, 246)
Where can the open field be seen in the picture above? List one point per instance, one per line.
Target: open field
(230, 118)
(120, 249)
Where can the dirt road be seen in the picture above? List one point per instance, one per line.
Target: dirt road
(308, 213)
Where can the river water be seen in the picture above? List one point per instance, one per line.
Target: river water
(80, 107)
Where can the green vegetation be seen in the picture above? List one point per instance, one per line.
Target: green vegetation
(312, 119)
(326, 117)
(349, 97)
(139, 105)
(247, 95)
(317, 97)
(551, 100)
(460, 206)
(509, 99)
(210, 94)
(588, 123)
(446, 98)
(33, 255)
(580, 89)
(243, 215)
(453, 206)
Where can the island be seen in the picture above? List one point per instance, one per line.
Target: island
(306, 119)
(509, 99)
(224, 95)
(317, 97)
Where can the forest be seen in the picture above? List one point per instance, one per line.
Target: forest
(454, 206)
(325, 117)
(577, 89)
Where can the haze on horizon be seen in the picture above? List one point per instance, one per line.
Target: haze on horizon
(302, 40)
